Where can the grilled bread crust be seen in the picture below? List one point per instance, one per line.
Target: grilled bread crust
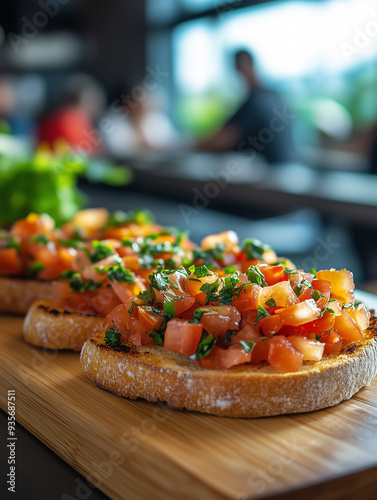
(246, 391)
(53, 328)
(18, 294)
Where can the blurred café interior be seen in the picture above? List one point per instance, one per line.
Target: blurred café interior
(256, 116)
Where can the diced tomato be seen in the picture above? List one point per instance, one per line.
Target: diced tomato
(228, 238)
(360, 316)
(271, 324)
(249, 317)
(283, 356)
(346, 328)
(125, 291)
(281, 293)
(273, 274)
(34, 224)
(342, 284)
(193, 283)
(321, 325)
(222, 359)
(90, 221)
(299, 314)
(312, 350)
(333, 343)
(288, 330)
(217, 320)
(324, 287)
(103, 300)
(182, 336)
(247, 299)
(10, 261)
(149, 320)
(260, 351)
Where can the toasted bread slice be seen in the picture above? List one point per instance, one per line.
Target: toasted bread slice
(47, 326)
(18, 294)
(247, 391)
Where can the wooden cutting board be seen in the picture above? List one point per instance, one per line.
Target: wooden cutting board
(138, 450)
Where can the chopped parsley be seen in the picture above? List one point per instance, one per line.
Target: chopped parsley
(121, 274)
(40, 238)
(313, 271)
(100, 251)
(290, 271)
(198, 313)
(112, 336)
(11, 243)
(230, 270)
(316, 294)
(199, 272)
(254, 249)
(262, 313)
(120, 218)
(270, 303)
(205, 346)
(248, 346)
(255, 276)
(148, 295)
(35, 267)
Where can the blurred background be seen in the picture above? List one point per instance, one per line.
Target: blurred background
(159, 111)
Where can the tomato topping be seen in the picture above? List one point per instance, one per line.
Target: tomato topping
(299, 314)
(333, 343)
(149, 320)
(271, 324)
(321, 325)
(273, 274)
(10, 261)
(247, 298)
(346, 327)
(283, 356)
(281, 293)
(182, 336)
(342, 284)
(312, 350)
(217, 320)
(222, 359)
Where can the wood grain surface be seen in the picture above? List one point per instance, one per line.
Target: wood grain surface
(138, 450)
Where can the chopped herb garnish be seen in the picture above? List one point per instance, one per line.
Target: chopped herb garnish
(210, 290)
(120, 218)
(290, 271)
(121, 274)
(40, 238)
(79, 284)
(298, 290)
(313, 271)
(160, 279)
(248, 346)
(100, 251)
(316, 294)
(66, 275)
(263, 338)
(11, 243)
(169, 310)
(255, 276)
(133, 304)
(254, 249)
(200, 272)
(35, 267)
(270, 303)
(112, 336)
(262, 313)
(148, 295)
(317, 337)
(205, 345)
(157, 336)
(230, 270)
(197, 316)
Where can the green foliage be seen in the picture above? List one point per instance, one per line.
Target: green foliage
(47, 184)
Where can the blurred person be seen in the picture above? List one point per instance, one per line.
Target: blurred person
(73, 123)
(261, 125)
(138, 124)
(12, 119)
